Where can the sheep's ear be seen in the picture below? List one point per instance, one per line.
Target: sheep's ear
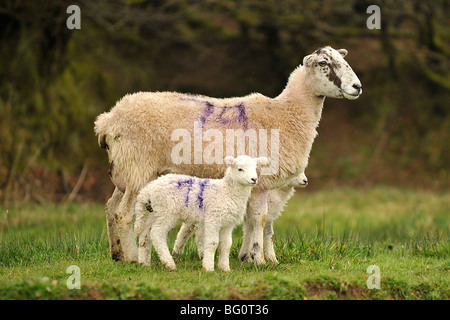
(343, 52)
(229, 160)
(262, 160)
(308, 60)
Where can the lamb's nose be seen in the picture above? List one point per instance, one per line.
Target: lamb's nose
(305, 182)
(254, 180)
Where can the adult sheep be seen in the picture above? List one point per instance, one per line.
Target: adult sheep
(138, 134)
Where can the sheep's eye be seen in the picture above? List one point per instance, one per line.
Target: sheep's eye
(322, 63)
(241, 170)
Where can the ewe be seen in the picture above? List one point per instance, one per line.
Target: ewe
(216, 205)
(137, 134)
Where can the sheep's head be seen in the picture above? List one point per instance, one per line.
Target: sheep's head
(331, 74)
(242, 169)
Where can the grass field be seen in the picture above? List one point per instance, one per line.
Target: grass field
(325, 241)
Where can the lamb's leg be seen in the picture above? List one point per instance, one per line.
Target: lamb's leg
(226, 240)
(277, 200)
(252, 247)
(158, 234)
(183, 235)
(112, 227)
(125, 230)
(268, 242)
(211, 241)
(199, 239)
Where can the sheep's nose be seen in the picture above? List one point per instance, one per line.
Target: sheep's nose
(357, 86)
(254, 180)
(305, 182)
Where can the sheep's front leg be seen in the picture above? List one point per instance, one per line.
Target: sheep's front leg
(183, 235)
(111, 210)
(127, 238)
(255, 218)
(210, 243)
(225, 238)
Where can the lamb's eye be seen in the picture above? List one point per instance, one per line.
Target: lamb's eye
(322, 63)
(241, 170)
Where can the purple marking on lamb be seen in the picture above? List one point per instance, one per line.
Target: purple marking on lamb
(202, 184)
(189, 182)
(241, 117)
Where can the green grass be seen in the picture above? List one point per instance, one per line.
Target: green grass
(325, 241)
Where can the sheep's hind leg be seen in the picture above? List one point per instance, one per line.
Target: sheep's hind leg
(145, 243)
(158, 235)
(111, 208)
(252, 247)
(125, 227)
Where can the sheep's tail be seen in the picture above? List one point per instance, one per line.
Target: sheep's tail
(141, 208)
(101, 126)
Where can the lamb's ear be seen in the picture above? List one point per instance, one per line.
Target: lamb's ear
(262, 160)
(343, 52)
(308, 60)
(229, 160)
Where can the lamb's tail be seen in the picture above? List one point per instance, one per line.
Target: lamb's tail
(142, 207)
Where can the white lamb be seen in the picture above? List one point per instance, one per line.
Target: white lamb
(138, 136)
(276, 201)
(216, 205)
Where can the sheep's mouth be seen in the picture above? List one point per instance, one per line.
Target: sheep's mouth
(352, 96)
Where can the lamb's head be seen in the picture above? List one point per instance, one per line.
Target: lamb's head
(242, 169)
(299, 181)
(330, 75)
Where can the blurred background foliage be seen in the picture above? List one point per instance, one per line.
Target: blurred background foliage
(55, 81)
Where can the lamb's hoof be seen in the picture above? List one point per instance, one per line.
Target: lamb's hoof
(171, 267)
(272, 260)
(177, 254)
(208, 269)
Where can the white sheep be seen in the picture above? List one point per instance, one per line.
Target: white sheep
(216, 205)
(137, 134)
(277, 199)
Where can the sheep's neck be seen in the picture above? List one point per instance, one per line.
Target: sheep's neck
(299, 98)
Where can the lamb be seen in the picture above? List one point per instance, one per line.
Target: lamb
(139, 136)
(277, 199)
(217, 205)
